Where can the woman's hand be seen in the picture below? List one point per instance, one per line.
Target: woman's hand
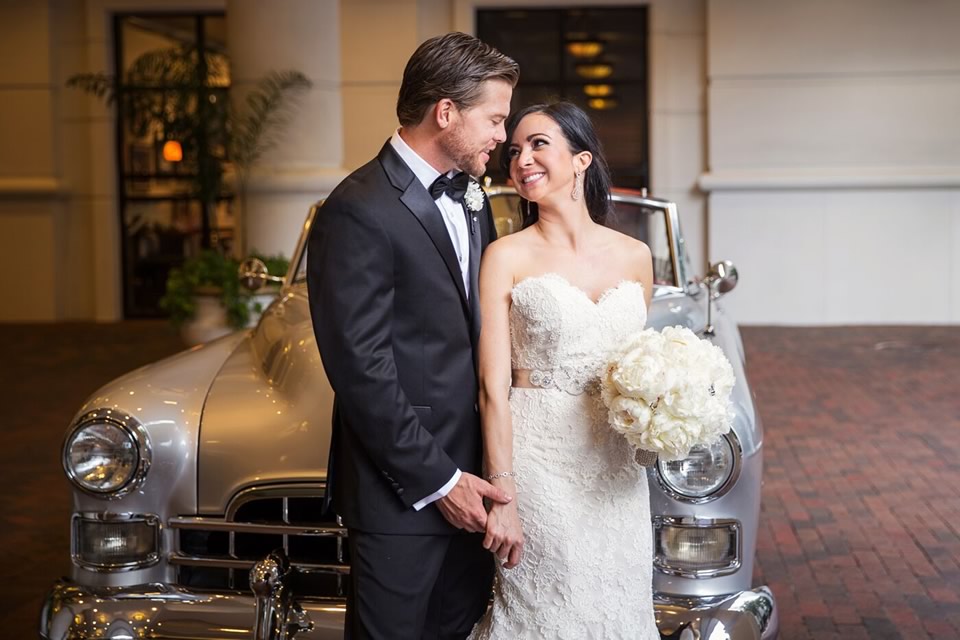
(504, 534)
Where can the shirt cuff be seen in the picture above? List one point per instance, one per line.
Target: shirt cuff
(444, 490)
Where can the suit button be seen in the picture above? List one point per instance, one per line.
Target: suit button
(476, 408)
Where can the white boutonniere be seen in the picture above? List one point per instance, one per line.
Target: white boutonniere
(474, 196)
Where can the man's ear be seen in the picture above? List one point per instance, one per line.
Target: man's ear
(444, 112)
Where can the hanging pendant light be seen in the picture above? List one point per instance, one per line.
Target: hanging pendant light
(587, 48)
(594, 70)
(172, 151)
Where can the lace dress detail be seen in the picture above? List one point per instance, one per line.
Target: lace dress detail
(583, 501)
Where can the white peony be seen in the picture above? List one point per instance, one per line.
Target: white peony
(669, 391)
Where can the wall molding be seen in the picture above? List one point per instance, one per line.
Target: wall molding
(830, 178)
(31, 187)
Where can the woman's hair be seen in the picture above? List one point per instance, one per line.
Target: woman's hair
(580, 136)
(455, 66)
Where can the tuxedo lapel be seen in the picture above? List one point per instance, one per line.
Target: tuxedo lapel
(421, 205)
(476, 248)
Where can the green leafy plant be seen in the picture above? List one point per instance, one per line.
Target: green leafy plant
(207, 273)
(212, 273)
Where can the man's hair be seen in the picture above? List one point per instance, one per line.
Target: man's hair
(455, 66)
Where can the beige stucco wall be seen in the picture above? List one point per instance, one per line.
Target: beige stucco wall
(30, 178)
(377, 38)
(834, 159)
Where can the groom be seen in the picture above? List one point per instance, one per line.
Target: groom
(392, 276)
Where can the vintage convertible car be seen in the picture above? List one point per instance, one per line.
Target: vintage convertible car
(198, 481)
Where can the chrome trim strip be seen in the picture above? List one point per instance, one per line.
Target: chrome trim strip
(150, 519)
(204, 524)
(182, 559)
(734, 441)
(71, 611)
(746, 615)
(301, 249)
(134, 429)
(691, 522)
(298, 490)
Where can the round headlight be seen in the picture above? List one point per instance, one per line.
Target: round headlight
(703, 473)
(104, 455)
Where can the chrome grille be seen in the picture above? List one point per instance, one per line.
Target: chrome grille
(217, 553)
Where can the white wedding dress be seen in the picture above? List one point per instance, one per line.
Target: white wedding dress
(587, 564)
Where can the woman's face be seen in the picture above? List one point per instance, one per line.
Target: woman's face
(541, 163)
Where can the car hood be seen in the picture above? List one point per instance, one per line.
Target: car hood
(267, 416)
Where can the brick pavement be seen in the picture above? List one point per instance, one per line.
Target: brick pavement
(861, 504)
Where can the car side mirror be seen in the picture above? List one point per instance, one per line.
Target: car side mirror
(721, 279)
(253, 274)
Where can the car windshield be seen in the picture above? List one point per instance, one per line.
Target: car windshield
(643, 219)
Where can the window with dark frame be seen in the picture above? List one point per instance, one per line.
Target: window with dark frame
(170, 208)
(595, 57)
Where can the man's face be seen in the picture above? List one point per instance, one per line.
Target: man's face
(476, 131)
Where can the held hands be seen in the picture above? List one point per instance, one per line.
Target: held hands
(463, 506)
(504, 534)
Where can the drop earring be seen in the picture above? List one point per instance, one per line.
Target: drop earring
(577, 192)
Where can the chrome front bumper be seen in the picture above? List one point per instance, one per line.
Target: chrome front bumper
(748, 615)
(165, 612)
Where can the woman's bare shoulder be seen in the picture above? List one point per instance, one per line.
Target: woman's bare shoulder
(633, 256)
(621, 242)
(509, 248)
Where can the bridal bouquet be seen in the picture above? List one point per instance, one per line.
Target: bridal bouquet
(668, 391)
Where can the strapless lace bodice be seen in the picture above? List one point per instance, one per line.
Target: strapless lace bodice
(562, 336)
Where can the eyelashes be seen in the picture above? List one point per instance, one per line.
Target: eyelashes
(536, 143)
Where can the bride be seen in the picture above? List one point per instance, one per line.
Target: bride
(576, 543)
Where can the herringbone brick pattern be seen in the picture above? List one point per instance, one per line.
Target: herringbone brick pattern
(861, 506)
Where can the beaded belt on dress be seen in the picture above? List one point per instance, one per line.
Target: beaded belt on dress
(574, 383)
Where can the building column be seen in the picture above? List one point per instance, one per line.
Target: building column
(307, 161)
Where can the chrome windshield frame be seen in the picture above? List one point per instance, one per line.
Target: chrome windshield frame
(672, 217)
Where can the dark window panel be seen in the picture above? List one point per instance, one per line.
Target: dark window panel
(548, 72)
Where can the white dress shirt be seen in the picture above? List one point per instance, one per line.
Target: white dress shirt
(456, 223)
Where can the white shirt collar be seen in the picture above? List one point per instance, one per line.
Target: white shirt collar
(425, 173)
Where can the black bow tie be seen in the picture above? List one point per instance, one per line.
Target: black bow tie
(455, 187)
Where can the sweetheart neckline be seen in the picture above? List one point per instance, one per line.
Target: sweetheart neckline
(603, 294)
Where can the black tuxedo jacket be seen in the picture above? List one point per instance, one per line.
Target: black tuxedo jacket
(397, 337)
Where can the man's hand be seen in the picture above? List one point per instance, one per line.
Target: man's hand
(504, 534)
(463, 506)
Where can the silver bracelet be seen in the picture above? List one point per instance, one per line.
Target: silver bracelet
(502, 474)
